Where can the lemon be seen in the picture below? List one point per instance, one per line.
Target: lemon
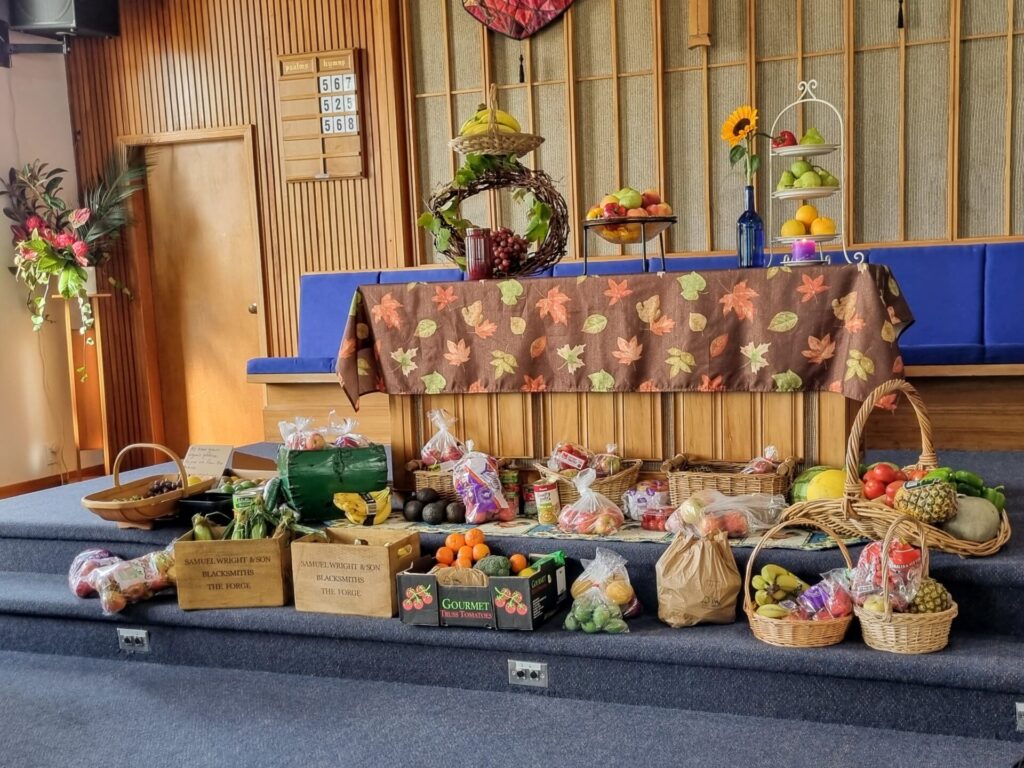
(193, 479)
(823, 225)
(793, 228)
(805, 214)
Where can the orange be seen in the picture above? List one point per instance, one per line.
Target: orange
(465, 562)
(474, 536)
(455, 541)
(517, 562)
(480, 551)
(445, 555)
(465, 553)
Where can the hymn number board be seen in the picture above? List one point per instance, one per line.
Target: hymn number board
(321, 121)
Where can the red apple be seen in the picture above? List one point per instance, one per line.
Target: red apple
(608, 200)
(659, 209)
(636, 212)
(651, 197)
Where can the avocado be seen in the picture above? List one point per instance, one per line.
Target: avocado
(413, 511)
(433, 513)
(427, 495)
(455, 512)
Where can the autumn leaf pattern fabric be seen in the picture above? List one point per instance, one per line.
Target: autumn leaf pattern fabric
(831, 329)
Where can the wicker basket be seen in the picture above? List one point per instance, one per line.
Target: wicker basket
(438, 480)
(793, 634)
(611, 487)
(495, 142)
(905, 632)
(854, 515)
(112, 505)
(724, 477)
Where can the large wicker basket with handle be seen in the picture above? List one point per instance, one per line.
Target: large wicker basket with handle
(685, 479)
(855, 515)
(783, 632)
(905, 632)
(117, 505)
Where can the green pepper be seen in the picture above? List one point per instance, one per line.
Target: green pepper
(996, 497)
(967, 490)
(963, 476)
(944, 474)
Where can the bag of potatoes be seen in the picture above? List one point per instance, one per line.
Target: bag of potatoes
(698, 581)
(607, 572)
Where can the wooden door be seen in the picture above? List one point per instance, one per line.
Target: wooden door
(207, 289)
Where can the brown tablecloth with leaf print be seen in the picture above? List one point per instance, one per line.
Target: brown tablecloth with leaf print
(752, 330)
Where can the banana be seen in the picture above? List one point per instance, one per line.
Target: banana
(480, 122)
(772, 612)
(771, 572)
(759, 583)
(779, 594)
(762, 598)
(788, 582)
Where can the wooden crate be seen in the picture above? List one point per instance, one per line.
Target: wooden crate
(232, 574)
(339, 576)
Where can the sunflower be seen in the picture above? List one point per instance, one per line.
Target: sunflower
(739, 125)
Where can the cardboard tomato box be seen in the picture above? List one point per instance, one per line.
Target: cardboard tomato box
(344, 576)
(232, 574)
(507, 602)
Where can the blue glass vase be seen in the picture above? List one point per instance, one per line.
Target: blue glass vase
(750, 235)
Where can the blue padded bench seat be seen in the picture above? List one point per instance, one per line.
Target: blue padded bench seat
(1004, 282)
(410, 275)
(324, 302)
(944, 287)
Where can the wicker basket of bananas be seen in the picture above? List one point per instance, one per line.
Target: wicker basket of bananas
(933, 503)
(492, 131)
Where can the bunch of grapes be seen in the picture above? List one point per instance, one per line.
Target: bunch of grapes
(508, 250)
(163, 486)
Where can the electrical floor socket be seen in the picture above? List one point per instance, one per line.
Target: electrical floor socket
(531, 673)
(133, 640)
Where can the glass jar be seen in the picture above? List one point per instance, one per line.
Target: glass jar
(478, 253)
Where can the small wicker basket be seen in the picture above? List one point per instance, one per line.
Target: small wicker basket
(793, 634)
(113, 503)
(494, 141)
(908, 633)
(438, 480)
(725, 477)
(854, 515)
(611, 487)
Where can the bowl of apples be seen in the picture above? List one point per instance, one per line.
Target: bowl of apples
(628, 216)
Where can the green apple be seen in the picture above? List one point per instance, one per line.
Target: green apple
(812, 136)
(799, 168)
(809, 180)
(786, 180)
(630, 198)
(875, 604)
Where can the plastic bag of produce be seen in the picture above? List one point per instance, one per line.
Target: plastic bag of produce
(84, 564)
(343, 433)
(478, 483)
(591, 512)
(132, 581)
(698, 581)
(764, 464)
(299, 435)
(569, 456)
(607, 573)
(443, 449)
(607, 463)
(905, 572)
(828, 599)
(647, 494)
(593, 611)
(709, 511)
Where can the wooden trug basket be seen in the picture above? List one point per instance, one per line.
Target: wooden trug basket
(112, 504)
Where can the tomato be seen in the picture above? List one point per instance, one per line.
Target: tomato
(901, 475)
(883, 473)
(916, 474)
(895, 485)
(873, 489)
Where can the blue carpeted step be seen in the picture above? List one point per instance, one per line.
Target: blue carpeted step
(61, 708)
(968, 689)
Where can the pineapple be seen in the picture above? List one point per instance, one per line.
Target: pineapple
(931, 503)
(931, 597)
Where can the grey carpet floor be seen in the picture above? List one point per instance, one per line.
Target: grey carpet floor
(60, 711)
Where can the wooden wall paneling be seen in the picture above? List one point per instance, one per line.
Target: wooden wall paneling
(834, 416)
(563, 419)
(405, 437)
(696, 424)
(641, 426)
(781, 417)
(1008, 130)
(740, 426)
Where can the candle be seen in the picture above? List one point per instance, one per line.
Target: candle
(805, 250)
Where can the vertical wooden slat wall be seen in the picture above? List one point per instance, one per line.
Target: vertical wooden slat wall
(193, 64)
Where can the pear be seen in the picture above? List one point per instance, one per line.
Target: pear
(812, 136)
(830, 181)
(809, 180)
(799, 168)
(786, 180)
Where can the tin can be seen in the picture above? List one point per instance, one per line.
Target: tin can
(510, 487)
(547, 501)
(248, 502)
(529, 501)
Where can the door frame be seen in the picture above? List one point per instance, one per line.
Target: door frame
(138, 238)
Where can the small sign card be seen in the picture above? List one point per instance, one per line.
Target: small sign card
(207, 460)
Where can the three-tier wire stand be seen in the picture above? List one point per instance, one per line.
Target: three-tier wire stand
(780, 246)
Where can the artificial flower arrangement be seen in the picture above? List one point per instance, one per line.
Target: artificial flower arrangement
(52, 240)
(740, 130)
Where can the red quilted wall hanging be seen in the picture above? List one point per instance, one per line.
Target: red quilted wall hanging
(518, 19)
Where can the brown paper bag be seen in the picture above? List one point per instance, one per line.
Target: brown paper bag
(698, 581)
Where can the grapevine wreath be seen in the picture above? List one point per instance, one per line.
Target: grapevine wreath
(547, 227)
